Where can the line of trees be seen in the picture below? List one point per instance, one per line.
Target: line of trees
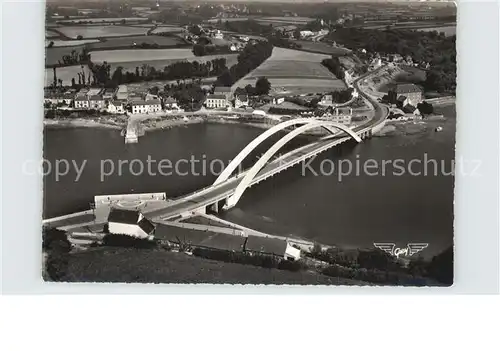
(249, 59)
(262, 87)
(73, 58)
(333, 64)
(182, 70)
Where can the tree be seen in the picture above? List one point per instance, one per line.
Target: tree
(73, 82)
(79, 37)
(425, 108)
(296, 33)
(262, 86)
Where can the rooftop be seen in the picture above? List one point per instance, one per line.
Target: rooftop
(216, 96)
(123, 216)
(145, 102)
(266, 245)
(407, 88)
(220, 89)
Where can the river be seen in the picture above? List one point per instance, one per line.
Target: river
(354, 212)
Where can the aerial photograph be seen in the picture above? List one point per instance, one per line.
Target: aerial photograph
(272, 142)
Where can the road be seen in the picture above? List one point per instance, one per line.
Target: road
(211, 194)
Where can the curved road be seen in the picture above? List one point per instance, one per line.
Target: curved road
(212, 194)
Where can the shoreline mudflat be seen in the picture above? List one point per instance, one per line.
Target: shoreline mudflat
(80, 122)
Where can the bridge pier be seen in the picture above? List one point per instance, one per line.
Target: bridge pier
(217, 207)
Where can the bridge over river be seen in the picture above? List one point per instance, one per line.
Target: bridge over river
(228, 189)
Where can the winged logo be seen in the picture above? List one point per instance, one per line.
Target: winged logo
(414, 248)
(387, 247)
(410, 250)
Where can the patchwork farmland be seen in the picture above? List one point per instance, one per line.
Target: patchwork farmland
(294, 72)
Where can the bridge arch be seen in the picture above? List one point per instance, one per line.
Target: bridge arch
(250, 175)
(235, 163)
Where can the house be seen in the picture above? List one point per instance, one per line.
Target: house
(271, 246)
(338, 115)
(223, 90)
(146, 106)
(129, 222)
(401, 101)
(306, 33)
(278, 100)
(410, 91)
(56, 98)
(241, 101)
(116, 106)
(218, 34)
(109, 94)
(216, 101)
(326, 100)
(170, 104)
(97, 102)
(82, 102)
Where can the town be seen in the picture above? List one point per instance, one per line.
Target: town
(343, 72)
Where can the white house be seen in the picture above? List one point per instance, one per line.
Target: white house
(218, 34)
(116, 106)
(143, 106)
(82, 102)
(97, 102)
(131, 223)
(338, 115)
(216, 101)
(306, 33)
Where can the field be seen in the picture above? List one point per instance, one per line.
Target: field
(100, 31)
(284, 20)
(158, 58)
(155, 266)
(129, 41)
(167, 29)
(65, 73)
(321, 47)
(63, 43)
(51, 34)
(53, 55)
(104, 20)
(294, 72)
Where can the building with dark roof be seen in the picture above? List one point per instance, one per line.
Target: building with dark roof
(226, 91)
(129, 222)
(271, 246)
(412, 92)
(179, 236)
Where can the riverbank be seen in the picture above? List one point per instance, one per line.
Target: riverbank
(81, 122)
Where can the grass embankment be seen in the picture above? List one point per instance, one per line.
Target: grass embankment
(158, 266)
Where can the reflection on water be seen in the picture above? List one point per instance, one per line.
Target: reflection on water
(355, 211)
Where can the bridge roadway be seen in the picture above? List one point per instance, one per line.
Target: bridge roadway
(213, 194)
